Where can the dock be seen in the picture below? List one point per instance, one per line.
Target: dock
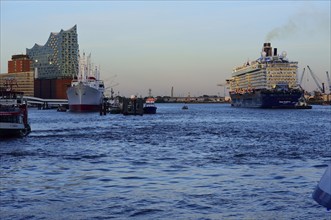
(133, 106)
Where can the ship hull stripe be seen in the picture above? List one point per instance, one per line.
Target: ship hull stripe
(84, 108)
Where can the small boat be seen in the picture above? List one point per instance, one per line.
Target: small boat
(13, 115)
(61, 108)
(185, 107)
(149, 106)
(113, 104)
(302, 104)
(114, 109)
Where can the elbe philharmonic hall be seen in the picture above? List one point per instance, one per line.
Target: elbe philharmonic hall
(45, 71)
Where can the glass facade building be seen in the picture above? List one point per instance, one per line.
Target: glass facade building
(58, 58)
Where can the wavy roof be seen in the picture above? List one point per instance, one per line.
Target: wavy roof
(54, 34)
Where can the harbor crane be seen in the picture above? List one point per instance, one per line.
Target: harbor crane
(222, 85)
(321, 88)
(303, 73)
(329, 81)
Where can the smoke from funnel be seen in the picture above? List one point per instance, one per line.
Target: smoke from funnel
(304, 22)
(288, 29)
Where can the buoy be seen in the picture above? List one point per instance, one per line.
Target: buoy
(322, 193)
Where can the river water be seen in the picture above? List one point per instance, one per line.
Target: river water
(211, 161)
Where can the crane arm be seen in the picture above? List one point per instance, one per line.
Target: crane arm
(303, 73)
(329, 81)
(314, 77)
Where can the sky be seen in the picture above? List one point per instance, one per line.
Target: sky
(191, 46)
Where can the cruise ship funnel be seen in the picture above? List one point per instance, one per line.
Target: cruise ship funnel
(267, 49)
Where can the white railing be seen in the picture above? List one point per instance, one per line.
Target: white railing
(36, 100)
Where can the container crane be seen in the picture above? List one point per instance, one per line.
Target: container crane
(221, 84)
(321, 88)
(303, 73)
(329, 81)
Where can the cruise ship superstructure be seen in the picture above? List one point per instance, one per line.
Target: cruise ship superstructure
(268, 82)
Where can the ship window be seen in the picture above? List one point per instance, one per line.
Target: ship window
(10, 119)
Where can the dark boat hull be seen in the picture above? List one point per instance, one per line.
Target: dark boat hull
(84, 108)
(150, 110)
(10, 133)
(266, 99)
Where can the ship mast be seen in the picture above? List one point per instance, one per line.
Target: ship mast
(82, 68)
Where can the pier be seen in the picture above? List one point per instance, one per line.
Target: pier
(45, 103)
(133, 106)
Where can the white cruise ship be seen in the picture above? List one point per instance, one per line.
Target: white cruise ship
(86, 92)
(268, 82)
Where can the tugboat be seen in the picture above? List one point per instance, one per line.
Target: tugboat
(13, 115)
(149, 107)
(302, 104)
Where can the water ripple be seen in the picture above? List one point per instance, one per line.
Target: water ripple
(210, 162)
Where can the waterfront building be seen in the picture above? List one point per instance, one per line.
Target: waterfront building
(45, 71)
(51, 88)
(20, 76)
(20, 82)
(58, 58)
(19, 63)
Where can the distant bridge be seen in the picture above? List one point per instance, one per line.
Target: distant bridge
(45, 102)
